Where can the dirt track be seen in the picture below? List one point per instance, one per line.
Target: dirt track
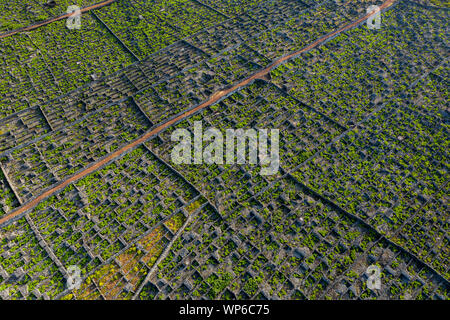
(64, 16)
(213, 99)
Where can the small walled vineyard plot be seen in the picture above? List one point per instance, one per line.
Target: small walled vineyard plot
(31, 123)
(292, 26)
(430, 95)
(54, 60)
(277, 12)
(171, 61)
(8, 200)
(115, 223)
(423, 163)
(75, 57)
(196, 84)
(186, 17)
(142, 32)
(234, 7)
(125, 83)
(22, 127)
(182, 92)
(240, 183)
(69, 108)
(227, 34)
(439, 3)
(303, 131)
(26, 270)
(53, 158)
(23, 68)
(348, 77)
(391, 173)
(236, 64)
(18, 14)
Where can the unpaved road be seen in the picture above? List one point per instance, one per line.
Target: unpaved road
(45, 22)
(213, 99)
